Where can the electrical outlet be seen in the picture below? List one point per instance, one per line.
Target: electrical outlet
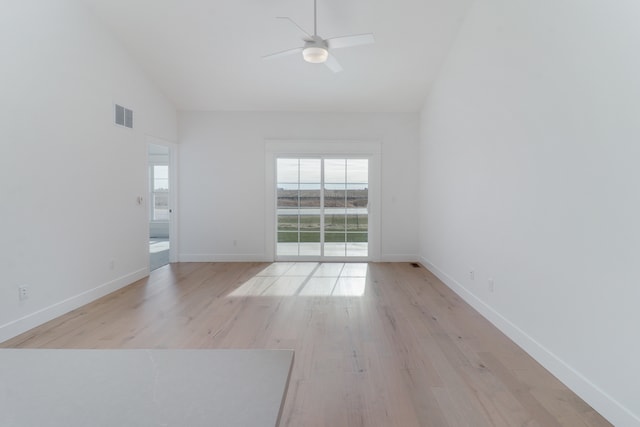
(112, 264)
(491, 287)
(23, 293)
(472, 274)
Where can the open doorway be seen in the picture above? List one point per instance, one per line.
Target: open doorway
(159, 205)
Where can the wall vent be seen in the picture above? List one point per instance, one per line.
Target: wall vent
(124, 116)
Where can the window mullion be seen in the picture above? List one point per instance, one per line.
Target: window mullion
(299, 210)
(322, 207)
(346, 211)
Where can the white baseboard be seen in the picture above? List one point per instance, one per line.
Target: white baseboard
(223, 258)
(264, 258)
(37, 318)
(602, 402)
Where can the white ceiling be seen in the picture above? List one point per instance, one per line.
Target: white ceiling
(206, 54)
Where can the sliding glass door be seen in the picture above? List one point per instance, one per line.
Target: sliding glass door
(322, 207)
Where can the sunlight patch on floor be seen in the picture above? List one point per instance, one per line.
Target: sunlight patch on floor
(307, 279)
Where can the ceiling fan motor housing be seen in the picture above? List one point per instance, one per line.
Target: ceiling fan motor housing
(315, 50)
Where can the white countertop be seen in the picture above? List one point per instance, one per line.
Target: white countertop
(182, 388)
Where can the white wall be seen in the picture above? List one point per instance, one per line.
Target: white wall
(530, 145)
(222, 177)
(64, 166)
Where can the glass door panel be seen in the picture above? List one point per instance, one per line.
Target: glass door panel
(288, 206)
(299, 202)
(357, 204)
(335, 197)
(322, 207)
(310, 204)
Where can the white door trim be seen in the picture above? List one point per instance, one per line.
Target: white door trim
(370, 149)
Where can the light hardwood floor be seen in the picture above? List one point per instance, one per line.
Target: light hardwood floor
(382, 345)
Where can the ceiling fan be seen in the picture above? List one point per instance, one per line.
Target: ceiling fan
(316, 49)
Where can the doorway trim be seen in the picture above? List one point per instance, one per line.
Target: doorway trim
(173, 193)
(370, 149)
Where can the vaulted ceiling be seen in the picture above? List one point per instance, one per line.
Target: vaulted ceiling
(206, 54)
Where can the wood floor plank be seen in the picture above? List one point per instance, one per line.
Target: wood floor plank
(383, 345)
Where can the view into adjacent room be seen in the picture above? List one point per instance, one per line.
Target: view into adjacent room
(159, 210)
(322, 207)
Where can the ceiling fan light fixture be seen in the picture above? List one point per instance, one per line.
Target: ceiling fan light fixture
(315, 54)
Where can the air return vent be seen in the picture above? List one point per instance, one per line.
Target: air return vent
(124, 116)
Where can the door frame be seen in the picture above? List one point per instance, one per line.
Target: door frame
(173, 193)
(370, 149)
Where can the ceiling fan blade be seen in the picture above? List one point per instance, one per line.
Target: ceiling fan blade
(294, 23)
(349, 41)
(283, 53)
(333, 64)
